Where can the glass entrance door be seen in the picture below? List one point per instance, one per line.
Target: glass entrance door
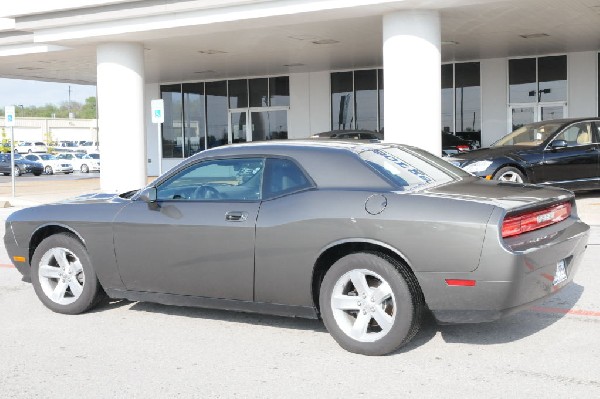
(528, 113)
(238, 127)
(269, 125)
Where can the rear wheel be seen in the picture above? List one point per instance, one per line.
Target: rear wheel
(17, 171)
(510, 174)
(85, 168)
(371, 304)
(63, 276)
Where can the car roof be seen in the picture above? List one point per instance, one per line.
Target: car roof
(328, 162)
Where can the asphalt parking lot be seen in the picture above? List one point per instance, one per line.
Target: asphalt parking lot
(129, 350)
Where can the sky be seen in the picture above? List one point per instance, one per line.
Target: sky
(31, 92)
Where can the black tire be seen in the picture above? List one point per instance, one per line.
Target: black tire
(510, 174)
(29, 151)
(48, 170)
(91, 291)
(85, 168)
(405, 306)
(17, 171)
(37, 174)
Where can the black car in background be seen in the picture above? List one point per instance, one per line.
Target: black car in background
(22, 165)
(452, 145)
(562, 152)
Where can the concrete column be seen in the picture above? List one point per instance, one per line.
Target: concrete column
(120, 85)
(412, 79)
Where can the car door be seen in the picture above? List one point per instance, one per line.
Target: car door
(198, 237)
(4, 163)
(576, 165)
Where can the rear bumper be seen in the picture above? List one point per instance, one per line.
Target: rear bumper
(511, 276)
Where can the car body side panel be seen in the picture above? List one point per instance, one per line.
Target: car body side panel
(90, 222)
(289, 243)
(571, 164)
(187, 248)
(512, 274)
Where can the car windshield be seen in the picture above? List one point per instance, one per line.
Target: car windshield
(47, 157)
(412, 168)
(94, 156)
(529, 135)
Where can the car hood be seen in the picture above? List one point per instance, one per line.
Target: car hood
(495, 152)
(94, 198)
(509, 196)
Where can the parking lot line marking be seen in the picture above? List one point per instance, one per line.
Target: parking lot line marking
(578, 312)
(7, 266)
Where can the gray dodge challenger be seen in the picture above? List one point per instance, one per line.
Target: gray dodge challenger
(366, 236)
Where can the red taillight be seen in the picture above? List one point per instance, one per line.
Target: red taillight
(515, 225)
(463, 148)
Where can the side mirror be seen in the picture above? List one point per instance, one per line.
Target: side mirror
(556, 144)
(148, 195)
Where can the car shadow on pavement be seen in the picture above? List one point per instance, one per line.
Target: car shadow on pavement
(517, 326)
(509, 329)
(232, 316)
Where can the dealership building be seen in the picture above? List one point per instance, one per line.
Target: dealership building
(246, 70)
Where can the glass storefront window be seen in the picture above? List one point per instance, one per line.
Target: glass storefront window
(342, 101)
(238, 93)
(522, 80)
(172, 128)
(533, 80)
(279, 91)
(447, 98)
(461, 100)
(380, 88)
(216, 113)
(194, 123)
(552, 76)
(365, 94)
(197, 115)
(468, 97)
(259, 92)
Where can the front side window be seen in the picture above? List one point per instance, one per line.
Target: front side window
(577, 134)
(411, 169)
(236, 179)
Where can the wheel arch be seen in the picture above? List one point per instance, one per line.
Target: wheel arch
(339, 249)
(45, 231)
(516, 165)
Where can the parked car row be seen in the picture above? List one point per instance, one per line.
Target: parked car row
(37, 164)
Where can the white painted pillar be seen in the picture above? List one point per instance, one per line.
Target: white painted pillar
(120, 85)
(412, 79)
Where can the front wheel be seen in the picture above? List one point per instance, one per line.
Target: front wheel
(63, 277)
(371, 304)
(17, 171)
(85, 168)
(48, 170)
(509, 174)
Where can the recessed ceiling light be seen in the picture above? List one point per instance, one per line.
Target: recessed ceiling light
(449, 43)
(210, 52)
(296, 64)
(29, 68)
(325, 41)
(534, 35)
(207, 71)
